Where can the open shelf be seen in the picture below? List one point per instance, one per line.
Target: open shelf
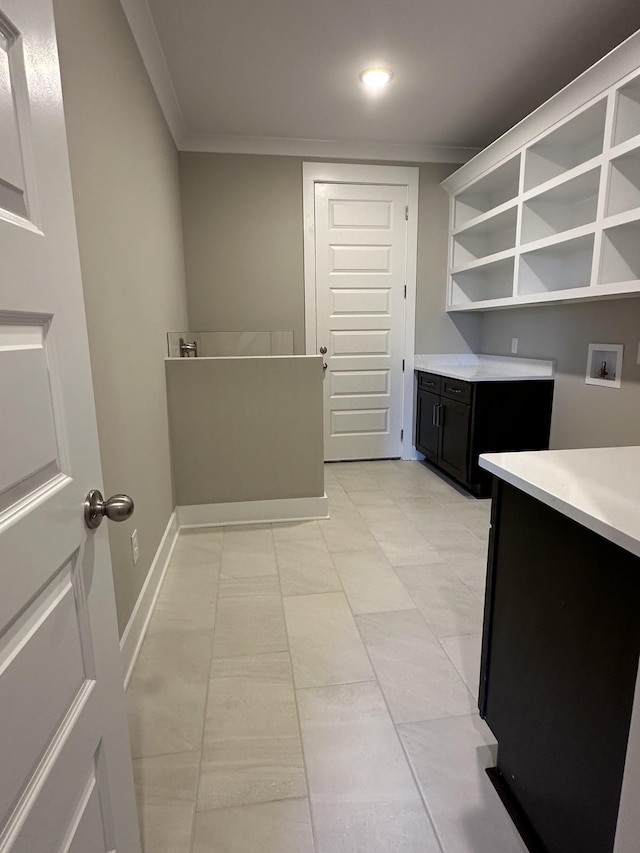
(564, 266)
(488, 237)
(567, 206)
(620, 260)
(627, 123)
(496, 188)
(491, 281)
(624, 184)
(576, 141)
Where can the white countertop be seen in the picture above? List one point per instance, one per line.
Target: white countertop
(485, 368)
(597, 487)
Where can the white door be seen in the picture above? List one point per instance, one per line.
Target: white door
(361, 276)
(65, 769)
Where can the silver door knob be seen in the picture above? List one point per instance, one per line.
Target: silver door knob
(323, 350)
(117, 508)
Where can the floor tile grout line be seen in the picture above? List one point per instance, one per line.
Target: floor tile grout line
(204, 719)
(395, 728)
(295, 702)
(399, 739)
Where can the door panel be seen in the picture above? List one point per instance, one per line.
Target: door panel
(361, 248)
(61, 694)
(427, 431)
(454, 438)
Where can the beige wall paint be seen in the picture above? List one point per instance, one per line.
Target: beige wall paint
(258, 437)
(242, 220)
(124, 169)
(243, 235)
(583, 415)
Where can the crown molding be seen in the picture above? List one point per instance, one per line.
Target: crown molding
(588, 86)
(146, 37)
(326, 148)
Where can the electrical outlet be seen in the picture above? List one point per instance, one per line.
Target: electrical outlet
(134, 546)
(514, 345)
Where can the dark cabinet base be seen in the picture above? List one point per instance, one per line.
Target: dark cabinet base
(560, 655)
(457, 421)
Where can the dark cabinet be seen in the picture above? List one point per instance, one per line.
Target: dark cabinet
(456, 421)
(560, 653)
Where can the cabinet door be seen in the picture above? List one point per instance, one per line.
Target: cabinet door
(426, 429)
(453, 456)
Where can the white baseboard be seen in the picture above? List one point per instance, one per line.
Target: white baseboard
(253, 512)
(411, 454)
(136, 628)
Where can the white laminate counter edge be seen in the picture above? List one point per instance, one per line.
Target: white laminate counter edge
(598, 487)
(485, 368)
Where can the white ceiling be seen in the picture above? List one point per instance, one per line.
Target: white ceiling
(266, 72)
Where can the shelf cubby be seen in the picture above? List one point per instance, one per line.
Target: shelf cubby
(620, 261)
(563, 266)
(576, 141)
(627, 122)
(491, 281)
(486, 238)
(624, 184)
(496, 188)
(566, 206)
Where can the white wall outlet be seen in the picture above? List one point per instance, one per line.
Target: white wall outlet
(135, 550)
(514, 345)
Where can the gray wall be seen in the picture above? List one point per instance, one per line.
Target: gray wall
(124, 169)
(243, 236)
(258, 437)
(583, 415)
(242, 220)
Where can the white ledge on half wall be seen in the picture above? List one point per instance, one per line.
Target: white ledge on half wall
(485, 368)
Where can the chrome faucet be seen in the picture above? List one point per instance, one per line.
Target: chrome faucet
(188, 347)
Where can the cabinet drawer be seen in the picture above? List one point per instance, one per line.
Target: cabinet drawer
(429, 382)
(456, 389)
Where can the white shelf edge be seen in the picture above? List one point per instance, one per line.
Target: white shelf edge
(486, 261)
(622, 290)
(626, 147)
(552, 184)
(624, 218)
(485, 217)
(558, 239)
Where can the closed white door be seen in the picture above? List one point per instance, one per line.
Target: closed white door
(66, 783)
(361, 276)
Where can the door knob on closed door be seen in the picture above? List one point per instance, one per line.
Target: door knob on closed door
(323, 350)
(117, 508)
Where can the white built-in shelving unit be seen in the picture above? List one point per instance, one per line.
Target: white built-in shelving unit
(551, 211)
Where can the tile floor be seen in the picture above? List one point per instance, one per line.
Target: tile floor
(310, 688)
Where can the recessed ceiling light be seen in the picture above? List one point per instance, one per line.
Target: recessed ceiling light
(376, 78)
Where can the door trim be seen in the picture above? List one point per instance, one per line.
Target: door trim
(347, 173)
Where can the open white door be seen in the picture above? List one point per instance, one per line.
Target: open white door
(65, 769)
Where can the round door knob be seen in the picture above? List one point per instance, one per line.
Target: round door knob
(323, 350)
(117, 508)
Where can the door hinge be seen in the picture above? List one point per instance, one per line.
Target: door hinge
(405, 291)
(401, 434)
(406, 212)
(403, 365)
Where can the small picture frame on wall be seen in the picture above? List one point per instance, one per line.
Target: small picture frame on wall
(604, 365)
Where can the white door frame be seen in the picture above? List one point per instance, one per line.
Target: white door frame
(347, 173)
